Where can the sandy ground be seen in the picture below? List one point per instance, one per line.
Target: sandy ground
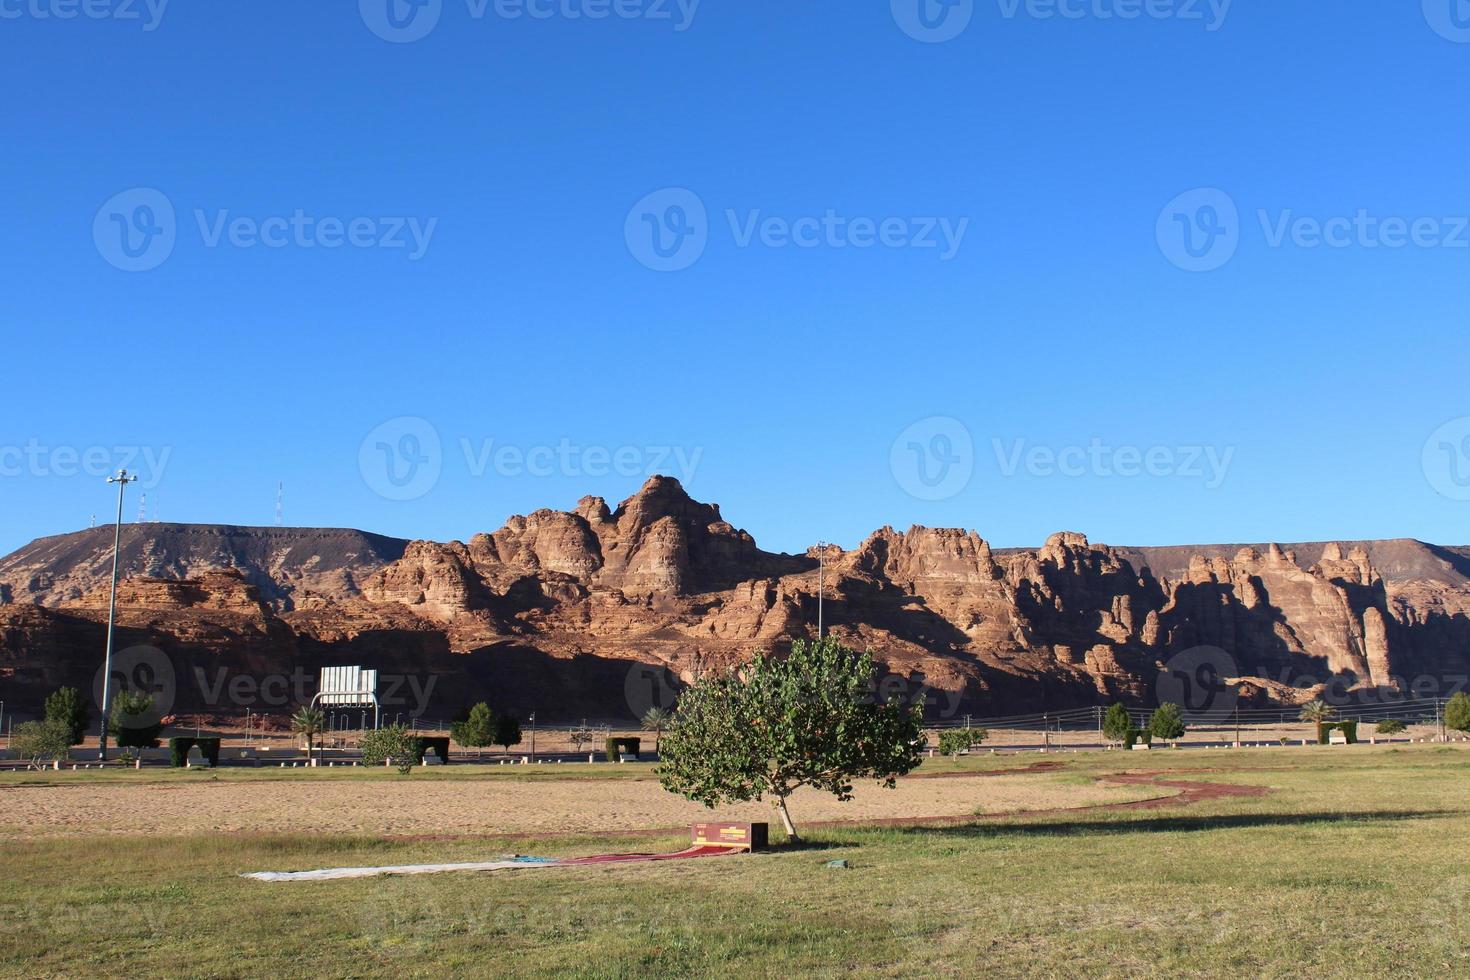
(424, 806)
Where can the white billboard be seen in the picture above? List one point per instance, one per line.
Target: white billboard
(348, 687)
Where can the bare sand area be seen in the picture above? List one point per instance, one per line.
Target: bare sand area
(494, 806)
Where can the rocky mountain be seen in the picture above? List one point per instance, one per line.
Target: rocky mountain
(600, 612)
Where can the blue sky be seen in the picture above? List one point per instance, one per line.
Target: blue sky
(923, 281)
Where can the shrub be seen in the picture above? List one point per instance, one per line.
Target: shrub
(178, 749)
(613, 748)
(1117, 723)
(1167, 723)
(958, 740)
(65, 707)
(1136, 735)
(1390, 726)
(393, 744)
(132, 721)
(1457, 713)
(38, 741)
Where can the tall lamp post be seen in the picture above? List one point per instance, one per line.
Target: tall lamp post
(122, 480)
(821, 565)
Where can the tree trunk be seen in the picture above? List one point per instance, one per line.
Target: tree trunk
(786, 820)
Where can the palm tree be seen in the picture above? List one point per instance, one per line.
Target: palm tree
(656, 720)
(310, 722)
(1319, 713)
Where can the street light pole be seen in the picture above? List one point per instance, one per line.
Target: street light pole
(821, 566)
(122, 480)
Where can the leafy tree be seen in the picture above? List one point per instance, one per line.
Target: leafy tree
(507, 731)
(131, 722)
(1167, 723)
(1318, 711)
(394, 744)
(778, 724)
(65, 707)
(477, 730)
(656, 720)
(37, 741)
(309, 722)
(958, 740)
(1457, 713)
(1390, 726)
(1117, 723)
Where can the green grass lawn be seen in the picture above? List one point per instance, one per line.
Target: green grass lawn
(1355, 864)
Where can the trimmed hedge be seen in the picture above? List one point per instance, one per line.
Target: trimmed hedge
(1325, 730)
(613, 748)
(1136, 735)
(439, 743)
(178, 749)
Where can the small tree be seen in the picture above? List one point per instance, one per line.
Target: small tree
(1390, 726)
(656, 720)
(38, 741)
(507, 731)
(957, 740)
(1117, 723)
(1167, 723)
(65, 707)
(778, 724)
(309, 722)
(394, 744)
(131, 723)
(476, 731)
(1319, 713)
(1457, 713)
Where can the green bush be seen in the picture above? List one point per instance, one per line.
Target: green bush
(1325, 729)
(1117, 723)
(393, 743)
(65, 707)
(613, 748)
(477, 730)
(1391, 726)
(1457, 713)
(958, 740)
(1136, 735)
(130, 721)
(40, 741)
(1167, 723)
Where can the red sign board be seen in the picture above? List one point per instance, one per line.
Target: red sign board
(754, 836)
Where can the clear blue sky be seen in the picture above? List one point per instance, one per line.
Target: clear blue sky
(785, 374)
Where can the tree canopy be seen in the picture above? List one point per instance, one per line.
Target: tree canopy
(65, 707)
(776, 724)
(477, 730)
